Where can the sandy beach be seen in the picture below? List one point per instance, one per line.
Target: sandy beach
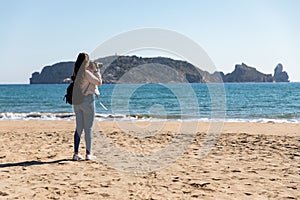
(246, 161)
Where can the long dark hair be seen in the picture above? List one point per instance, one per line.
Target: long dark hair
(78, 75)
(78, 63)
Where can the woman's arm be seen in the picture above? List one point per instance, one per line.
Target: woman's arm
(94, 78)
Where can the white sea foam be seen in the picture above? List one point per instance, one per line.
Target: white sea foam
(36, 116)
(134, 117)
(63, 116)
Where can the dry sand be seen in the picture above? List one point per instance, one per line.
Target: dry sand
(248, 161)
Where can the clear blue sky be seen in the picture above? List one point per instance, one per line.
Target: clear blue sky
(260, 33)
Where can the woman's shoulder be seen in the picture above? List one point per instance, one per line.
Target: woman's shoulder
(88, 72)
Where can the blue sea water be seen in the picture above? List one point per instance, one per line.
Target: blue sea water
(201, 102)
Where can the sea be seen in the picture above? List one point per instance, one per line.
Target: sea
(228, 102)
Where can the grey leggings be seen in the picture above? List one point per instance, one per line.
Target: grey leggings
(85, 114)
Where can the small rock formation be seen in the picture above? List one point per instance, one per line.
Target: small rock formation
(280, 75)
(244, 73)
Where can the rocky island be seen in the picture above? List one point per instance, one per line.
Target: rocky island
(114, 68)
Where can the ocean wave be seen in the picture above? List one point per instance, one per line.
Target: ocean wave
(36, 116)
(138, 117)
(67, 116)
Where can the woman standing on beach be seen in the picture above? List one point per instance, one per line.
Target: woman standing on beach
(86, 77)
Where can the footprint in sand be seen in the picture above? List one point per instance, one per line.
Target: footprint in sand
(3, 193)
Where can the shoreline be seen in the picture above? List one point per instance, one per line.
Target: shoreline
(40, 116)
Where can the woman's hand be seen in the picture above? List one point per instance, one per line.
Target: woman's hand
(98, 75)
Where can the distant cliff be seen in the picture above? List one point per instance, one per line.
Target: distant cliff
(152, 70)
(55, 74)
(133, 69)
